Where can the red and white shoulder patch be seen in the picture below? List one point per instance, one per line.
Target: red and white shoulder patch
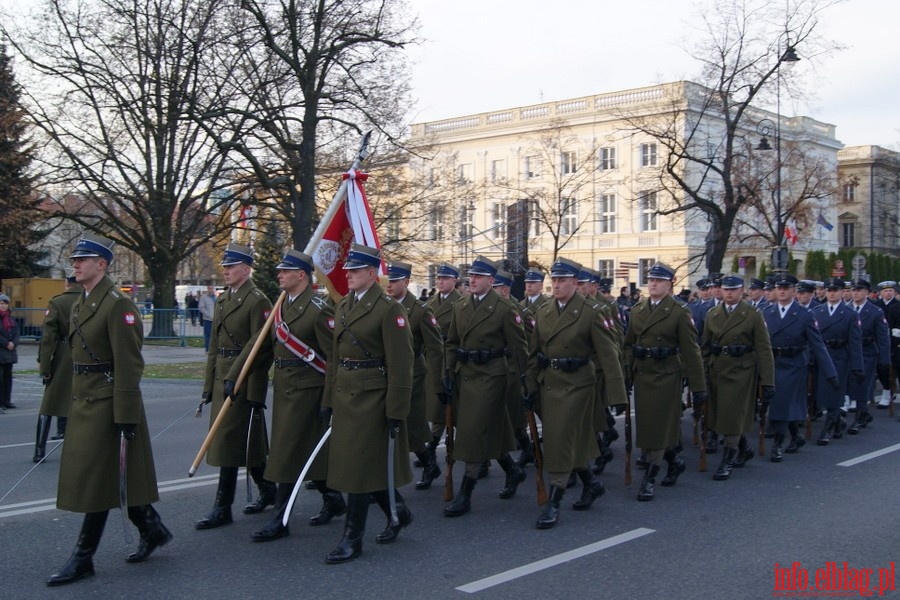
(266, 314)
(401, 322)
(518, 319)
(330, 323)
(47, 313)
(129, 318)
(434, 321)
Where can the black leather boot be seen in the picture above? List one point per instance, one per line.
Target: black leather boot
(526, 456)
(274, 529)
(744, 454)
(645, 494)
(675, 466)
(40, 440)
(430, 472)
(550, 511)
(825, 436)
(483, 471)
(404, 516)
(81, 563)
(777, 450)
(712, 442)
(153, 533)
(221, 511)
(332, 505)
(797, 439)
(461, 504)
(515, 475)
(606, 455)
(266, 492)
(724, 470)
(840, 425)
(60, 428)
(350, 545)
(641, 461)
(593, 489)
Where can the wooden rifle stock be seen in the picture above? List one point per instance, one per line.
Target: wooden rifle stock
(245, 369)
(448, 475)
(538, 458)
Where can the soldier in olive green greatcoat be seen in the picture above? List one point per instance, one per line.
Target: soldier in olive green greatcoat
(660, 350)
(738, 354)
(240, 312)
(301, 340)
(107, 415)
(485, 329)
(370, 374)
(428, 348)
(55, 363)
(571, 337)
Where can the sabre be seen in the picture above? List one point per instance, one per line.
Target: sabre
(169, 426)
(247, 454)
(392, 499)
(299, 483)
(123, 485)
(35, 466)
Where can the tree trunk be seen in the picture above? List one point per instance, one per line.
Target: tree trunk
(163, 277)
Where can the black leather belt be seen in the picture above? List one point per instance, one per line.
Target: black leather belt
(657, 352)
(733, 350)
(868, 340)
(85, 368)
(565, 364)
(281, 363)
(229, 352)
(353, 365)
(479, 357)
(63, 339)
(788, 351)
(835, 343)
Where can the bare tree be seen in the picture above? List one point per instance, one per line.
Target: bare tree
(115, 83)
(702, 172)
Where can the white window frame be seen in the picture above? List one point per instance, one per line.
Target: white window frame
(848, 234)
(849, 192)
(436, 223)
(607, 268)
(498, 220)
(533, 165)
(649, 155)
(606, 213)
(568, 216)
(498, 170)
(534, 218)
(568, 162)
(649, 215)
(607, 159)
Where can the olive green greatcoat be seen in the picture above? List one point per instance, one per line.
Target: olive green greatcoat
(514, 379)
(528, 311)
(55, 355)
(105, 327)
(297, 391)
(483, 427)
(374, 327)
(582, 330)
(428, 348)
(443, 313)
(734, 381)
(657, 382)
(237, 318)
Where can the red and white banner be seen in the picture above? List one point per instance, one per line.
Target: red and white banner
(352, 223)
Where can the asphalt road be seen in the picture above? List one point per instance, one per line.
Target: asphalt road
(700, 539)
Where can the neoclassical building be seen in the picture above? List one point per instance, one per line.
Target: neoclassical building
(868, 201)
(576, 178)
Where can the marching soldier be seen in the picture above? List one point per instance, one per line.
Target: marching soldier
(428, 349)
(661, 349)
(738, 355)
(442, 305)
(795, 339)
(806, 294)
(107, 429)
(876, 351)
(757, 295)
(569, 335)
(889, 303)
(840, 331)
(241, 311)
(485, 329)
(608, 434)
(301, 344)
(370, 376)
(55, 360)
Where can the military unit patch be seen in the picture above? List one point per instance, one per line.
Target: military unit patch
(129, 318)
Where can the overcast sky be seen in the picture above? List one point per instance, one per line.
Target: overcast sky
(485, 55)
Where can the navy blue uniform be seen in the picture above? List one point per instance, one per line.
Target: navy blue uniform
(876, 350)
(841, 335)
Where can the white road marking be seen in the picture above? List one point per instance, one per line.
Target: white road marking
(552, 561)
(869, 456)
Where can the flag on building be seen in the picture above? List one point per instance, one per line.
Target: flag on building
(790, 233)
(352, 223)
(821, 220)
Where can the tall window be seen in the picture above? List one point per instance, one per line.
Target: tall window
(532, 167)
(467, 222)
(436, 224)
(649, 208)
(849, 192)
(568, 216)
(464, 173)
(607, 159)
(606, 213)
(498, 220)
(498, 170)
(848, 235)
(534, 218)
(606, 268)
(567, 165)
(648, 155)
(392, 222)
(644, 265)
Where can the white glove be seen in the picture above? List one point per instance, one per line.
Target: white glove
(895, 332)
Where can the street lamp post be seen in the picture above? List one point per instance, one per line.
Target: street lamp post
(780, 252)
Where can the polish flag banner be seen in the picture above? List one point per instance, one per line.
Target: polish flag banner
(352, 223)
